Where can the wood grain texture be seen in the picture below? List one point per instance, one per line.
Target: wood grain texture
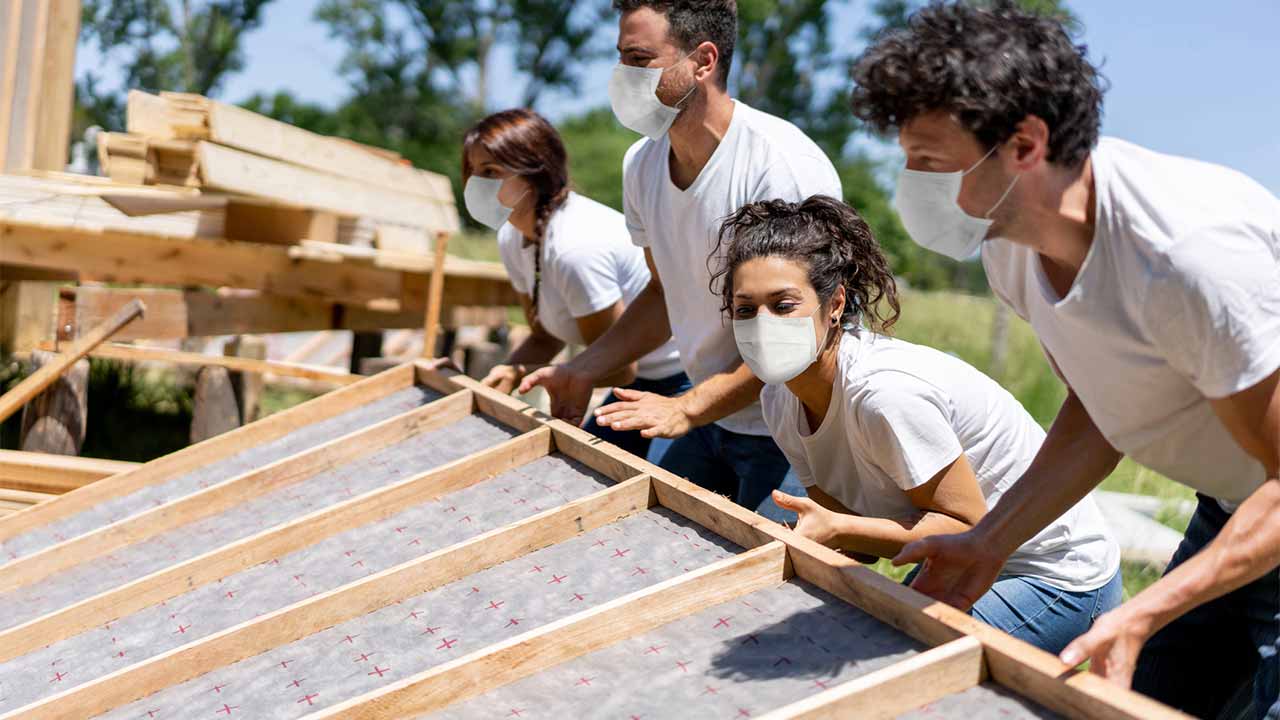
(55, 474)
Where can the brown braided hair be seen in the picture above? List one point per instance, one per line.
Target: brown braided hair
(824, 234)
(525, 143)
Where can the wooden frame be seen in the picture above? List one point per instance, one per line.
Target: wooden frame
(141, 353)
(964, 654)
(55, 474)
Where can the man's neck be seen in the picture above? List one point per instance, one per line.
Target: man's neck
(696, 135)
(1060, 224)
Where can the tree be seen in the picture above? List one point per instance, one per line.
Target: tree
(180, 45)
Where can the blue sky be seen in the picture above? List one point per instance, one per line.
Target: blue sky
(1187, 77)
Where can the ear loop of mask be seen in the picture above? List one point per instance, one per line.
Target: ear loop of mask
(677, 106)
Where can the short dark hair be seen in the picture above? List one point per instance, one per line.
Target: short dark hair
(825, 235)
(694, 22)
(990, 67)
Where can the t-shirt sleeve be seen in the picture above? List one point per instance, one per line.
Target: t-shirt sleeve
(588, 281)
(907, 431)
(774, 408)
(1214, 313)
(632, 187)
(509, 247)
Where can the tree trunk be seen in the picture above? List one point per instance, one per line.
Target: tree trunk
(54, 422)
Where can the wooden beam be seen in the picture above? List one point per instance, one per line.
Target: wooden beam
(196, 456)
(133, 353)
(223, 168)
(366, 509)
(572, 637)
(350, 601)
(435, 296)
(55, 474)
(35, 383)
(889, 692)
(230, 493)
(28, 497)
(37, 65)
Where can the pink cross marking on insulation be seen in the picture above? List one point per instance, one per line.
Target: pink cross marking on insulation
(308, 698)
(556, 579)
(415, 614)
(182, 629)
(584, 680)
(495, 604)
(349, 639)
(516, 712)
(415, 541)
(430, 630)
(598, 543)
(57, 677)
(537, 568)
(447, 644)
(218, 688)
(743, 712)
(639, 571)
(228, 708)
(619, 552)
(710, 691)
(378, 671)
(152, 713)
(297, 682)
(577, 596)
(512, 621)
(683, 665)
(285, 664)
(820, 684)
(722, 622)
(654, 649)
(364, 657)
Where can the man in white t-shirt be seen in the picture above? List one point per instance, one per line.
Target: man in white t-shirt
(1153, 283)
(705, 156)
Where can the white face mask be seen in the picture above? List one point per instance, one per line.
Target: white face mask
(481, 198)
(633, 94)
(777, 349)
(926, 202)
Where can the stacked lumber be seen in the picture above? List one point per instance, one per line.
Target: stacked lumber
(191, 141)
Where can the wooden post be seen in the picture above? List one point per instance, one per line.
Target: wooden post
(55, 420)
(213, 405)
(37, 81)
(36, 383)
(435, 294)
(247, 385)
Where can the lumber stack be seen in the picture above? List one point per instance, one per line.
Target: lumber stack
(355, 194)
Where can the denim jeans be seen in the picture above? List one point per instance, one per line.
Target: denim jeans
(630, 440)
(746, 468)
(1048, 617)
(1199, 661)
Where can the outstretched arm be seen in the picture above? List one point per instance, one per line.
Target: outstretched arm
(670, 417)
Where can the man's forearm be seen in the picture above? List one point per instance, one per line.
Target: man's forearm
(537, 349)
(643, 328)
(1074, 459)
(721, 395)
(1247, 548)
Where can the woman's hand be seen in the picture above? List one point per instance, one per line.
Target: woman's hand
(504, 378)
(1112, 645)
(815, 522)
(655, 416)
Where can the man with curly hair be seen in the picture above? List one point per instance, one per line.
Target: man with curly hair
(1153, 283)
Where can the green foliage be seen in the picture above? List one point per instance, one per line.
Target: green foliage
(597, 145)
(188, 46)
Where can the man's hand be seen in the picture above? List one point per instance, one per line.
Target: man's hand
(655, 416)
(503, 378)
(815, 522)
(570, 390)
(1112, 645)
(958, 569)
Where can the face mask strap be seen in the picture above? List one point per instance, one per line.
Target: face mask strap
(984, 159)
(1008, 190)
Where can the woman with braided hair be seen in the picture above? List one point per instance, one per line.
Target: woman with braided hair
(893, 441)
(570, 258)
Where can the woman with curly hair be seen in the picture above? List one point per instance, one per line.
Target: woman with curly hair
(893, 441)
(570, 258)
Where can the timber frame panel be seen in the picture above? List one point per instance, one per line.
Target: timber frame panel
(960, 654)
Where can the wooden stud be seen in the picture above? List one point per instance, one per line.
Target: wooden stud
(889, 692)
(55, 474)
(350, 601)
(371, 507)
(26, 497)
(572, 637)
(435, 296)
(230, 493)
(134, 353)
(35, 383)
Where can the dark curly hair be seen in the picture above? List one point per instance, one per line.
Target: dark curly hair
(826, 235)
(694, 22)
(990, 67)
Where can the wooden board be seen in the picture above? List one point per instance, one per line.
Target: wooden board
(453, 590)
(37, 66)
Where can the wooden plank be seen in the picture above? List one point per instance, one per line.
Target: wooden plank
(134, 353)
(28, 497)
(369, 508)
(230, 493)
(27, 310)
(279, 225)
(125, 257)
(222, 168)
(188, 459)
(572, 637)
(350, 601)
(904, 686)
(52, 114)
(37, 381)
(55, 474)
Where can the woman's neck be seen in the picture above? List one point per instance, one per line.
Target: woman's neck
(813, 386)
(524, 219)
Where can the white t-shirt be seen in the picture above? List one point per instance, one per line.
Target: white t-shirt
(761, 157)
(588, 264)
(899, 414)
(1178, 301)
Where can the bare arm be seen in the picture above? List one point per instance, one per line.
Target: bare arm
(950, 502)
(593, 327)
(1073, 460)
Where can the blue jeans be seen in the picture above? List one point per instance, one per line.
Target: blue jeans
(1048, 617)
(1199, 661)
(630, 440)
(746, 468)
